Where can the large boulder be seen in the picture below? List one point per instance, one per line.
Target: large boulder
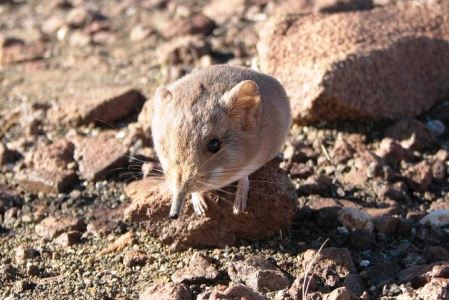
(271, 208)
(386, 63)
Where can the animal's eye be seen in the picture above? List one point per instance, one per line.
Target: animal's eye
(213, 145)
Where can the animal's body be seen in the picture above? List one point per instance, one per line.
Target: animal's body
(216, 126)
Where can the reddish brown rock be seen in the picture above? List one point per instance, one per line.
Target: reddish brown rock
(199, 270)
(101, 105)
(51, 227)
(104, 220)
(419, 177)
(14, 50)
(258, 274)
(421, 274)
(234, 291)
(119, 244)
(393, 153)
(196, 24)
(69, 238)
(353, 219)
(135, 258)
(168, 291)
(412, 134)
(338, 260)
(366, 165)
(437, 288)
(341, 293)
(270, 208)
(98, 155)
(386, 224)
(363, 76)
(183, 49)
(222, 10)
(296, 292)
(48, 170)
(45, 181)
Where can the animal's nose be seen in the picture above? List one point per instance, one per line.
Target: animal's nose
(173, 216)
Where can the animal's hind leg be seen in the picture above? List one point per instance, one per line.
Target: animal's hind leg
(241, 197)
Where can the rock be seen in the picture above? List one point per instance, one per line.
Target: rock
(49, 171)
(105, 220)
(346, 82)
(200, 270)
(295, 291)
(69, 238)
(51, 227)
(183, 50)
(436, 126)
(14, 51)
(195, 24)
(412, 134)
(317, 185)
(300, 170)
(93, 166)
(167, 291)
(24, 253)
(270, 208)
(139, 33)
(436, 218)
(45, 181)
(354, 219)
(335, 6)
(380, 273)
(338, 294)
(361, 239)
(338, 260)
(234, 291)
(437, 288)
(102, 105)
(6, 155)
(121, 243)
(135, 258)
(79, 16)
(258, 274)
(393, 153)
(435, 253)
(52, 25)
(222, 10)
(79, 38)
(354, 284)
(366, 165)
(419, 177)
(386, 224)
(421, 274)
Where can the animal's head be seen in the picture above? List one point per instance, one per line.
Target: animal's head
(202, 135)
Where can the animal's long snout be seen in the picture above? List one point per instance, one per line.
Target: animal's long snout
(176, 205)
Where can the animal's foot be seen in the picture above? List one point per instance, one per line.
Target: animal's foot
(241, 197)
(199, 203)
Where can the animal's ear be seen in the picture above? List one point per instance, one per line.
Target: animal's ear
(243, 104)
(162, 95)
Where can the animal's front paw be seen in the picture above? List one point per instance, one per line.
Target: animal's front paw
(241, 196)
(199, 203)
(239, 205)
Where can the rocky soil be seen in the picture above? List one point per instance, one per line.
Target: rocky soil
(357, 208)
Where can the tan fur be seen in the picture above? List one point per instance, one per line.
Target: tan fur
(247, 111)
